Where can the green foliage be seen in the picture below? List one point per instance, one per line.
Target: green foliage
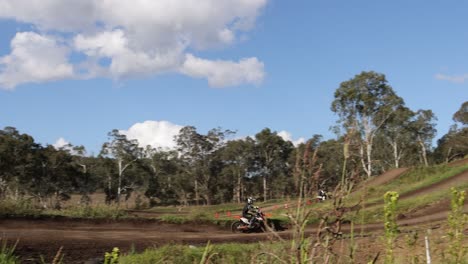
(20, 207)
(411, 239)
(416, 178)
(391, 226)
(462, 114)
(174, 219)
(457, 220)
(113, 257)
(7, 253)
(92, 212)
(181, 254)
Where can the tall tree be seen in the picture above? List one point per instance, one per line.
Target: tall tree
(397, 134)
(423, 126)
(124, 151)
(17, 161)
(454, 144)
(237, 157)
(272, 152)
(462, 114)
(197, 150)
(58, 177)
(164, 166)
(364, 104)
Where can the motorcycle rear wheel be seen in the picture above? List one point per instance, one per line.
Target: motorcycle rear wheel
(236, 227)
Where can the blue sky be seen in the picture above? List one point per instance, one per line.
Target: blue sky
(240, 65)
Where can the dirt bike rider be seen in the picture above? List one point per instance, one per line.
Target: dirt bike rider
(322, 195)
(249, 211)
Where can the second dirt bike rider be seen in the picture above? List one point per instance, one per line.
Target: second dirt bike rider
(249, 211)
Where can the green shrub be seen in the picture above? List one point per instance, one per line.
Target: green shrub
(7, 253)
(457, 252)
(224, 253)
(92, 212)
(391, 226)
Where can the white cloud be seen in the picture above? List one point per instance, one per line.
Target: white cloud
(34, 58)
(453, 78)
(60, 143)
(224, 73)
(288, 137)
(158, 134)
(141, 37)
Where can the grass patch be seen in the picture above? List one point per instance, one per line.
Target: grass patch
(224, 253)
(18, 208)
(90, 212)
(409, 181)
(375, 214)
(7, 253)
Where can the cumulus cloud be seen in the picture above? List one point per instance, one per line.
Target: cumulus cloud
(224, 73)
(452, 78)
(61, 143)
(34, 58)
(158, 134)
(288, 137)
(137, 37)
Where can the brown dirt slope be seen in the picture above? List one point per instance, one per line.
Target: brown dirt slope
(385, 177)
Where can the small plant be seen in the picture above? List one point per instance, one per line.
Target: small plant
(411, 240)
(113, 257)
(7, 253)
(391, 226)
(457, 220)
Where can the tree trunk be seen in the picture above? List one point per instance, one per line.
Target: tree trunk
(366, 158)
(208, 199)
(238, 187)
(423, 151)
(265, 190)
(369, 159)
(396, 155)
(197, 195)
(119, 186)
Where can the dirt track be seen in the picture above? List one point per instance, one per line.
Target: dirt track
(86, 241)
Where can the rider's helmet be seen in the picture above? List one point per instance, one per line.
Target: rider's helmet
(250, 200)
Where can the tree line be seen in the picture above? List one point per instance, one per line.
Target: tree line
(375, 131)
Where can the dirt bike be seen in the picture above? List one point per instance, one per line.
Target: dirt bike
(242, 225)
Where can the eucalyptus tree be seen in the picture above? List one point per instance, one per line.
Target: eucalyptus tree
(364, 104)
(58, 176)
(423, 127)
(164, 168)
(272, 153)
(462, 114)
(125, 152)
(17, 163)
(330, 155)
(237, 157)
(196, 150)
(397, 134)
(454, 144)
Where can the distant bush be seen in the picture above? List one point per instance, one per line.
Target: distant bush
(93, 212)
